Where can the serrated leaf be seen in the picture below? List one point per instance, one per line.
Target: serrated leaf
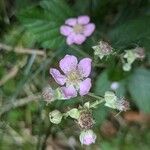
(44, 22)
(58, 8)
(131, 32)
(139, 87)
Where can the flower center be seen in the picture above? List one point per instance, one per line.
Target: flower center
(73, 77)
(78, 28)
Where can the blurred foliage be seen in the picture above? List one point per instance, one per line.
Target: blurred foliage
(35, 24)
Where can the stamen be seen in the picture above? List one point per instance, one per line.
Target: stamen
(78, 28)
(74, 77)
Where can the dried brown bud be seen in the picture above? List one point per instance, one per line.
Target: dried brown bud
(102, 49)
(86, 120)
(48, 94)
(105, 47)
(122, 105)
(140, 52)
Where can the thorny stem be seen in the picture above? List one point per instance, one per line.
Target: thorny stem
(94, 104)
(95, 96)
(97, 102)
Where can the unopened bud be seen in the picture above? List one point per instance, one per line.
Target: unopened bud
(55, 116)
(87, 137)
(110, 99)
(86, 120)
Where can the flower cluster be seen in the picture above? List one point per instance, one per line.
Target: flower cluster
(73, 80)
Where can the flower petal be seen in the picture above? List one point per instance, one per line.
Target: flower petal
(84, 67)
(89, 29)
(70, 40)
(71, 21)
(58, 77)
(83, 20)
(79, 39)
(85, 86)
(65, 30)
(68, 63)
(69, 92)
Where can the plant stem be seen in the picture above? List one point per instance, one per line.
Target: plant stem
(94, 104)
(95, 96)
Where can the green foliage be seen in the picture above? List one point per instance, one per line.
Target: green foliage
(100, 114)
(44, 22)
(36, 24)
(139, 87)
(103, 84)
(17, 36)
(131, 33)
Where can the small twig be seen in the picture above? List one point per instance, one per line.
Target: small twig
(22, 50)
(10, 75)
(19, 103)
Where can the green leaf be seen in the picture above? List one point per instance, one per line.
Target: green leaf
(100, 114)
(139, 87)
(103, 84)
(44, 22)
(132, 32)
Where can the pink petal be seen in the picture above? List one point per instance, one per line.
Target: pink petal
(89, 29)
(70, 40)
(58, 77)
(68, 63)
(83, 20)
(85, 86)
(79, 39)
(69, 92)
(84, 67)
(65, 30)
(71, 21)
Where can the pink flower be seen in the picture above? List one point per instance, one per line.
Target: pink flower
(75, 76)
(77, 29)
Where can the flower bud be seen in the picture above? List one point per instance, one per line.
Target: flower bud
(130, 55)
(126, 67)
(87, 137)
(86, 120)
(102, 49)
(110, 99)
(55, 116)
